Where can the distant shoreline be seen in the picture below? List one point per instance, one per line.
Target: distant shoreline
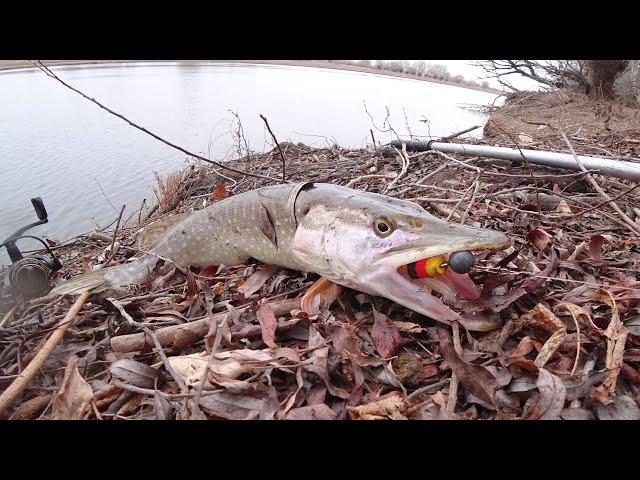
(21, 64)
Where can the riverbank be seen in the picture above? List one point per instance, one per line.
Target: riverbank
(21, 64)
(565, 292)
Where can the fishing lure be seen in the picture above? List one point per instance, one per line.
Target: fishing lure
(459, 262)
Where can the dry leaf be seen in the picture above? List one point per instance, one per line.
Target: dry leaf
(268, 325)
(476, 379)
(385, 335)
(219, 191)
(257, 280)
(539, 238)
(595, 247)
(134, 373)
(542, 317)
(390, 406)
(74, 395)
(616, 334)
(261, 404)
(311, 412)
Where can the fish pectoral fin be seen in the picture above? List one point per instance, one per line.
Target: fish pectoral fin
(152, 234)
(320, 296)
(94, 281)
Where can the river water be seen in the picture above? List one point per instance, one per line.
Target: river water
(86, 163)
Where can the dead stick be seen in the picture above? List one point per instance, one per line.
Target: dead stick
(49, 73)
(188, 333)
(115, 233)
(277, 144)
(457, 134)
(629, 223)
(19, 384)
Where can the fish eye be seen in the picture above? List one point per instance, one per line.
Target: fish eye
(383, 226)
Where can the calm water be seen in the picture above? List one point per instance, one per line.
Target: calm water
(55, 144)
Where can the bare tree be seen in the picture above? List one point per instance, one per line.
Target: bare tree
(501, 69)
(595, 77)
(603, 74)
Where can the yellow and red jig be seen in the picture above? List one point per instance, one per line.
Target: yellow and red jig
(427, 267)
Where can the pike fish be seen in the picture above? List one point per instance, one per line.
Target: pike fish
(356, 239)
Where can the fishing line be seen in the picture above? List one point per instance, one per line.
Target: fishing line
(567, 280)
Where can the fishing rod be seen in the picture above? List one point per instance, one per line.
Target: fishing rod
(605, 166)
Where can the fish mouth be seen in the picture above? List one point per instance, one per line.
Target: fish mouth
(428, 295)
(441, 244)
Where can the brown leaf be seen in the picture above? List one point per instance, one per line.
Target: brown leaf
(476, 379)
(616, 334)
(319, 364)
(268, 324)
(539, 238)
(162, 407)
(389, 406)
(541, 317)
(134, 373)
(532, 284)
(550, 402)
(231, 364)
(261, 404)
(524, 347)
(623, 408)
(219, 191)
(595, 247)
(74, 395)
(209, 272)
(311, 412)
(257, 280)
(385, 335)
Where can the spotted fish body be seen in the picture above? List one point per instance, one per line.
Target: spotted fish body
(323, 228)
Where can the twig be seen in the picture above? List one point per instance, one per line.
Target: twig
(277, 144)
(453, 394)
(457, 134)
(473, 198)
(626, 192)
(19, 384)
(373, 138)
(49, 73)
(154, 339)
(367, 177)
(630, 223)
(115, 232)
(405, 167)
(455, 160)
(526, 162)
(104, 194)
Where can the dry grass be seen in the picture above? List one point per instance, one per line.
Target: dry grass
(167, 190)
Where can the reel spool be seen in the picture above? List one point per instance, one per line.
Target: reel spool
(29, 276)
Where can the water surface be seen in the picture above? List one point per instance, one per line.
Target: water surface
(85, 163)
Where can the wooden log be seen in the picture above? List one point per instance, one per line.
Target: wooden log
(188, 333)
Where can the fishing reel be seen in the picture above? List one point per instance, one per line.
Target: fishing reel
(29, 275)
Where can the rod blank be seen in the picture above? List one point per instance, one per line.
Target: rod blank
(605, 166)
